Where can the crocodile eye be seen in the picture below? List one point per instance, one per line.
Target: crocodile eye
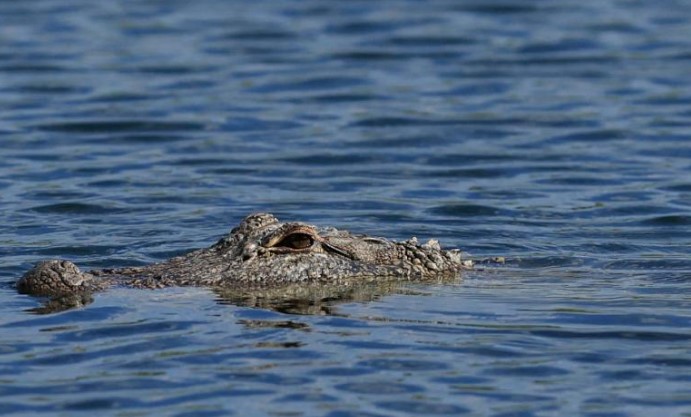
(296, 241)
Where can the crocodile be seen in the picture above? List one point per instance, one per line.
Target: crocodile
(261, 254)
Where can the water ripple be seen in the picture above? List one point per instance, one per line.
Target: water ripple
(110, 126)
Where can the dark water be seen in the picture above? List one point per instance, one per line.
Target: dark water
(554, 133)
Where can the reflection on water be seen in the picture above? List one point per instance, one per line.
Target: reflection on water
(289, 299)
(554, 134)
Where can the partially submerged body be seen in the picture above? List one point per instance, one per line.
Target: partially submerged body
(262, 253)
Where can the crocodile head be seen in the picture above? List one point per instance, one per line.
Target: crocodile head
(263, 253)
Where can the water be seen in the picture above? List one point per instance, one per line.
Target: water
(555, 134)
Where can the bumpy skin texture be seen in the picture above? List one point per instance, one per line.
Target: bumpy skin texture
(262, 253)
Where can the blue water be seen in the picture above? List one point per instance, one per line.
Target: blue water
(553, 133)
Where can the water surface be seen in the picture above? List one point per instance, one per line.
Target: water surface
(555, 134)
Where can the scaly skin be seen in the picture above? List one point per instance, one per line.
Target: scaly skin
(262, 253)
